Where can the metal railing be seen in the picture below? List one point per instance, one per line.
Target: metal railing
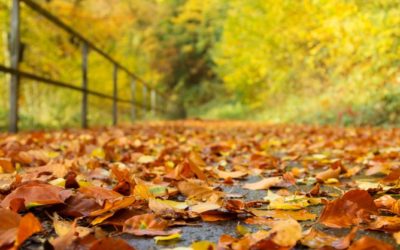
(17, 74)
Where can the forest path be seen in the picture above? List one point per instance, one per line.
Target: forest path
(199, 180)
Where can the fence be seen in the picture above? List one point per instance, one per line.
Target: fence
(86, 45)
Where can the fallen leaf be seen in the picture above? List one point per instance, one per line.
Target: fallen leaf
(385, 223)
(366, 243)
(37, 194)
(300, 215)
(396, 236)
(145, 159)
(216, 215)
(204, 207)
(99, 194)
(111, 244)
(286, 232)
(199, 191)
(147, 224)
(159, 206)
(175, 236)
(265, 183)
(28, 225)
(142, 191)
(327, 174)
(226, 175)
(242, 230)
(8, 226)
(203, 245)
(314, 238)
(353, 208)
(115, 205)
(6, 165)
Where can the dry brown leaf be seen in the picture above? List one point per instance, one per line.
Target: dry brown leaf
(37, 194)
(385, 223)
(231, 174)
(286, 233)
(265, 183)
(204, 207)
(147, 224)
(199, 191)
(99, 193)
(327, 174)
(366, 242)
(111, 244)
(8, 226)
(6, 165)
(28, 225)
(317, 239)
(396, 237)
(300, 215)
(353, 208)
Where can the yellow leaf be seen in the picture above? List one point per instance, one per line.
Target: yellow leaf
(174, 236)
(242, 230)
(286, 232)
(98, 153)
(160, 206)
(331, 181)
(203, 245)
(204, 206)
(144, 159)
(62, 227)
(143, 192)
(396, 236)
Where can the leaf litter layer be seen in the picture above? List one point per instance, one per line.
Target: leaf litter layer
(201, 185)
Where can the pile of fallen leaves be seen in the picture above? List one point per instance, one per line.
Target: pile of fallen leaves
(317, 187)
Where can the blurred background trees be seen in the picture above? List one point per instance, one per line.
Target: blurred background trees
(315, 61)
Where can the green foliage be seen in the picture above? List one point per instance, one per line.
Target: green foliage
(294, 61)
(307, 61)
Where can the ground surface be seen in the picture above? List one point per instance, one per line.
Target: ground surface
(229, 185)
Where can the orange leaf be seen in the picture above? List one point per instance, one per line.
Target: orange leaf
(111, 244)
(99, 193)
(352, 208)
(367, 242)
(114, 205)
(142, 191)
(314, 238)
(327, 174)
(28, 225)
(300, 215)
(8, 226)
(6, 165)
(38, 193)
(146, 224)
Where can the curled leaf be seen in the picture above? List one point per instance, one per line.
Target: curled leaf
(353, 208)
(37, 194)
(367, 242)
(147, 224)
(265, 183)
(175, 236)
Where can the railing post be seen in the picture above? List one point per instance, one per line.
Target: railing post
(115, 95)
(15, 47)
(85, 49)
(133, 95)
(144, 94)
(153, 101)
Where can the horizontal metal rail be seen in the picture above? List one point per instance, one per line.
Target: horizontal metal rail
(61, 84)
